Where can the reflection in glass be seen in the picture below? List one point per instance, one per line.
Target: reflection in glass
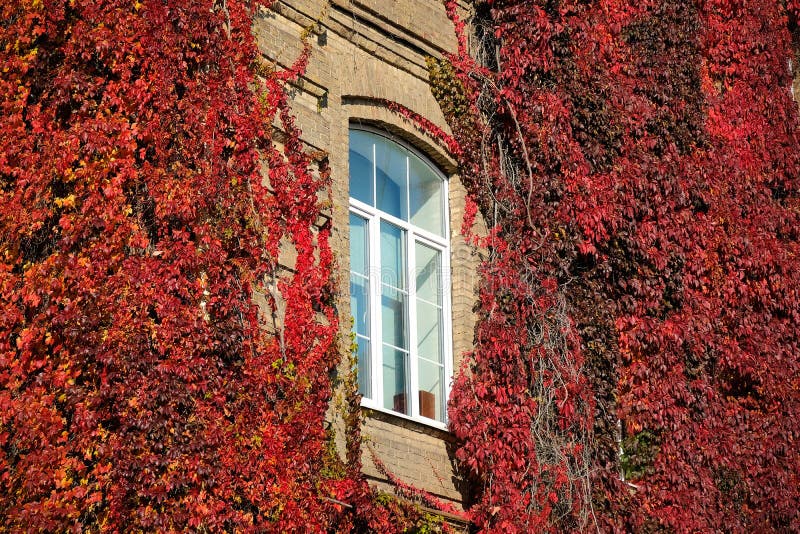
(395, 383)
(391, 177)
(393, 255)
(431, 389)
(359, 299)
(393, 317)
(428, 273)
(359, 303)
(429, 331)
(359, 246)
(426, 197)
(364, 367)
(361, 158)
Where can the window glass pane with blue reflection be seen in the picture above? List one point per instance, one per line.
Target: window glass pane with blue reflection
(391, 178)
(426, 197)
(362, 176)
(398, 210)
(359, 298)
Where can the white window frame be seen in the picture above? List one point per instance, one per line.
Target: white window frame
(413, 234)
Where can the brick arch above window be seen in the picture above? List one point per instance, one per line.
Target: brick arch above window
(373, 113)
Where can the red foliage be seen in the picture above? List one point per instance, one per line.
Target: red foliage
(138, 389)
(638, 164)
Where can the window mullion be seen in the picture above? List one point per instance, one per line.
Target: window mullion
(376, 347)
(412, 326)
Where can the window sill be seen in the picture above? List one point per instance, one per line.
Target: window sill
(414, 423)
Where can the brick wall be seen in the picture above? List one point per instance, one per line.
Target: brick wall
(365, 50)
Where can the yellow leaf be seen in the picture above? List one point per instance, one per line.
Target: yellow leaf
(66, 202)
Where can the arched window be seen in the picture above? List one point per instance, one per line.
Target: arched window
(399, 288)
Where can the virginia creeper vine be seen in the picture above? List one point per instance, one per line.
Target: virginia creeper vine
(637, 163)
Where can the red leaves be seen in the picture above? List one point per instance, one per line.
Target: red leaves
(652, 186)
(137, 387)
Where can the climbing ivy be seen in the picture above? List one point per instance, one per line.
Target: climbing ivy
(637, 362)
(143, 206)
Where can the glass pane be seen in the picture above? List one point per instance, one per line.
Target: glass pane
(429, 273)
(393, 317)
(364, 368)
(426, 197)
(359, 304)
(361, 178)
(393, 255)
(359, 245)
(431, 390)
(395, 383)
(429, 331)
(391, 178)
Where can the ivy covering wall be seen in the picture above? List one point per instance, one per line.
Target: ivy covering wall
(637, 363)
(143, 203)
